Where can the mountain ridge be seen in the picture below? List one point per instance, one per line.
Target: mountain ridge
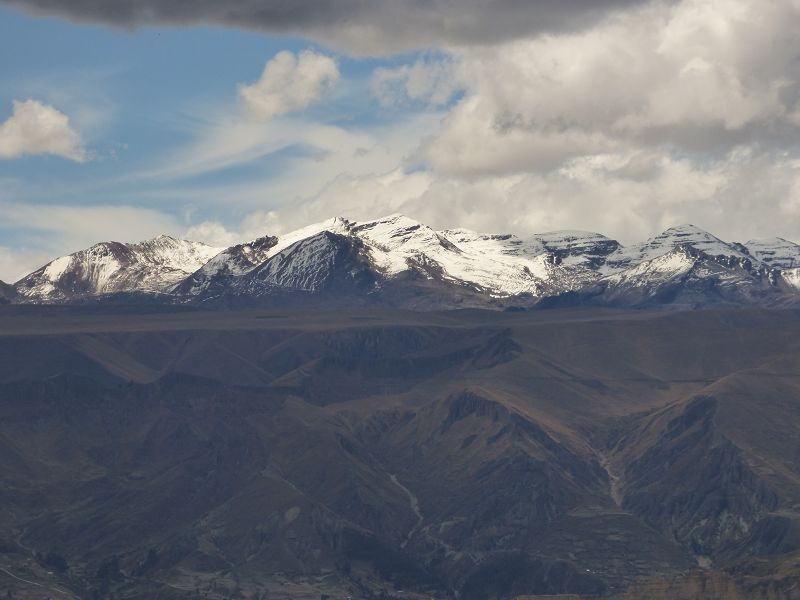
(403, 263)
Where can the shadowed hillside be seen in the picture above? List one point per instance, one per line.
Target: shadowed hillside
(375, 454)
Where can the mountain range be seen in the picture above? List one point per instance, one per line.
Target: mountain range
(401, 263)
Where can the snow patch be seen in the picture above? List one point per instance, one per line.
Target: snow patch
(792, 277)
(57, 268)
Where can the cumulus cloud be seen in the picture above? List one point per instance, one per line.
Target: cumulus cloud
(289, 83)
(701, 76)
(357, 26)
(36, 128)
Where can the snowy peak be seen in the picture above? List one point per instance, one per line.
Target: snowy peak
(571, 239)
(497, 265)
(648, 276)
(397, 232)
(397, 242)
(392, 246)
(775, 252)
(665, 242)
(113, 267)
(168, 252)
(690, 235)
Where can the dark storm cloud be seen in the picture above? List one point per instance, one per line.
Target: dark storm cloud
(359, 26)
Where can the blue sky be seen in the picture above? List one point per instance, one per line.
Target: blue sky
(141, 99)
(134, 95)
(644, 116)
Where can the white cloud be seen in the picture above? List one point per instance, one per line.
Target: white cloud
(213, 233)
(701, 75)
(628, 196)
(289, 83)
(36, 128)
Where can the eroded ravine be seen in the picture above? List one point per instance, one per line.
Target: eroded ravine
(413, 503)
(614, 482)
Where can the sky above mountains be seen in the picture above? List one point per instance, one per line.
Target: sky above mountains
(221, 122)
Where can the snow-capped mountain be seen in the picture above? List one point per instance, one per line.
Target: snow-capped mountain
(401, 262)
(113, 267)
(688, 266)
(683, 265)
(667, 241)
(385, 252)
(325, 262)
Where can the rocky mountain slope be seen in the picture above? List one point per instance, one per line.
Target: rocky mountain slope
(7, 292)
(393, 454)
(396, 261)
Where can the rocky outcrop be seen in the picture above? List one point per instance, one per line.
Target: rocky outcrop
(691, 482)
